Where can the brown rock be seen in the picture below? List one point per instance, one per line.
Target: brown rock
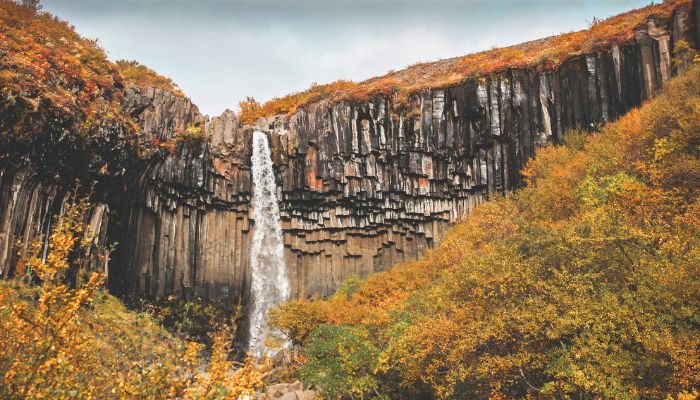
(278, 391)
(305, 394)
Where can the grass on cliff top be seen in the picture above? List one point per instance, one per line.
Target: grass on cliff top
(547, 53)
(143, 77)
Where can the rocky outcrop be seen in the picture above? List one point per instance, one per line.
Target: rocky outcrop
(367, 185)
(362, 185)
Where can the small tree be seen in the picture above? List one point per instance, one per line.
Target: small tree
(32, 4)
(251, 110)
(684, 55)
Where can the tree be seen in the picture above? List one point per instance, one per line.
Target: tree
(32, 4)
(46, 341)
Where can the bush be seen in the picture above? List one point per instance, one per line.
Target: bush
(143, 77)
(341, 361)
(62, 336)
(192, 135)
(195, 319)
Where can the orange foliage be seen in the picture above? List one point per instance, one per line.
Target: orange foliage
(251, 110)
(140, 75)
(547, 54)
(562, 182)
(44, 58)
(63, 337)
(46, 67)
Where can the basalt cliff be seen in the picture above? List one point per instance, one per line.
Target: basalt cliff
(363, 183)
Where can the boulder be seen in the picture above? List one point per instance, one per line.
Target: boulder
(305, 394)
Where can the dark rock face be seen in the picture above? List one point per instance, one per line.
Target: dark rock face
(362, 186)
(27, 207)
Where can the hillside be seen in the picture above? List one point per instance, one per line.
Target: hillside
(584, 284)
(61, 106)
(544, 54)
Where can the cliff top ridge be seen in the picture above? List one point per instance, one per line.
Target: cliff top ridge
(547, 54)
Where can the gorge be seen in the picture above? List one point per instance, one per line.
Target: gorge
(364, 183)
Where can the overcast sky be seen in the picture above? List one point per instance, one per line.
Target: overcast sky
(220, 51)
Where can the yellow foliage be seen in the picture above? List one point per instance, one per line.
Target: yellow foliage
(62, 336)
(42, 338)
(222, 380)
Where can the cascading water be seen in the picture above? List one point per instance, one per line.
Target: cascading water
(270, 282)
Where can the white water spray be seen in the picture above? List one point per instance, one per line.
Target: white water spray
(270, 282)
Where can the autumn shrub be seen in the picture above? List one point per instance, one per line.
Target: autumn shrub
(191, 319)
(684, 56)
(585, 284)
(63, 336)
(192, 135)
(41, 340)
(224, 379)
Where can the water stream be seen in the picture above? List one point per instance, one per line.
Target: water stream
(270, 281)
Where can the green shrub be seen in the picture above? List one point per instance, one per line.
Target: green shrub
(342, 361)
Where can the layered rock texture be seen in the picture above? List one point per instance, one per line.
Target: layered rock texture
(363, 185)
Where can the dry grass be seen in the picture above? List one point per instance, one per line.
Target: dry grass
(546, 54)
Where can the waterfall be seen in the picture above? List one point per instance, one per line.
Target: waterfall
(270, 282)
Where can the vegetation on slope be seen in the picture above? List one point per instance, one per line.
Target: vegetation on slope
(584, 284)
(45, 59)
(61, 98)
(63, 337)
(547, 53)
(140, 75)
